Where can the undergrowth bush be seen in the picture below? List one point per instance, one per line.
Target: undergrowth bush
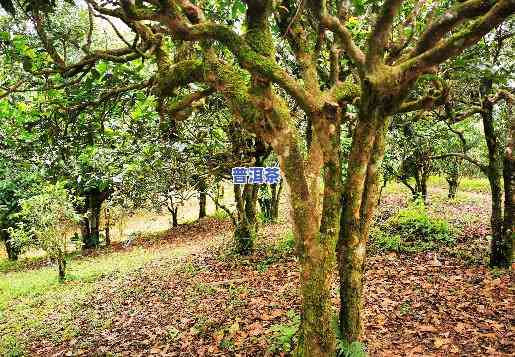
(220, 215)
(412, 229)
(284, 335)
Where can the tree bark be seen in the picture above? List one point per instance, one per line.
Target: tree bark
(90, 225)
(453, 186)
(359, 203)
(245, 230)
(107, 226)
(61, 266)
(219, 195)
(276, 198)
(202, 199)
(499, 256)
(175, 213)
(509, 192)
(12, 252)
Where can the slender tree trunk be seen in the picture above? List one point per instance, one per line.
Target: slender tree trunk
(497, 257)
(498, 247)
(202, 199)
(453, 186)
(360, 201)
(12, 252)
(245, 230)
(219, 195)
(107, 226)
(276, 198)
(175, 213)
(509, 192)
(424, 178)
(94, 222)
(61, 266)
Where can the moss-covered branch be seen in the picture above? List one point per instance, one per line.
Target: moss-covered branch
(459, 41)
(379, 35)
(351, 49)
(449, 20)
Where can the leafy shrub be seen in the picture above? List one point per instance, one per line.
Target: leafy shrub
(286, 244)
(46, 221)
(11, 347)
(264, 218)
(220, 215)
(412, 230)
(283, 335)
(354, 349)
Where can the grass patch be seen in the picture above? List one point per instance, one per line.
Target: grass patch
(34, 305)
(220, 215)
(468, 184)
(284, 247)
(412, 230)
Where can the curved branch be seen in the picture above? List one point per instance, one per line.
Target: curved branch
(382, 28)
(482, 167)
(351, 49)
(110, 94)
(249, 59)
(459, 41)
(449, 20)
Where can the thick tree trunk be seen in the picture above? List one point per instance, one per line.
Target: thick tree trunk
(85, 231)
(315, 250)
(317, 335)
(359, 203)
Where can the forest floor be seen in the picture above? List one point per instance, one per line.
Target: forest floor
(182, 292)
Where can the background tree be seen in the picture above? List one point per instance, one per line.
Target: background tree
(48, 220)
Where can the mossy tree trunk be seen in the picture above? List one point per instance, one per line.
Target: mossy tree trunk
(316, 226)
(245, 230)
(500, 249)
(453, 181)
(509, 191)
(359, 202)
